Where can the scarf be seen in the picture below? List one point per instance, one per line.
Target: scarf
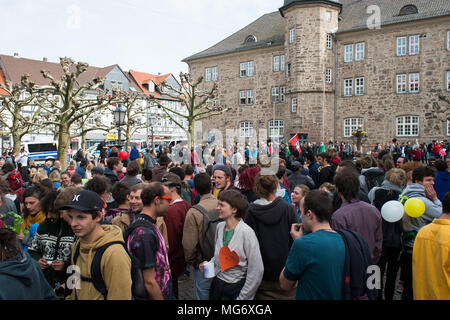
(36, 219)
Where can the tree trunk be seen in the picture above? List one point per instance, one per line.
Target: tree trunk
(191, 129)
(83, 142)
(127, 136)
(63, 146)
(17, 139)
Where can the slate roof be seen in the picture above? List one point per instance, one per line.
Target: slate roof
(270, 28)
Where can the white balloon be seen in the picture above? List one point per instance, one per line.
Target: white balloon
(392, 211)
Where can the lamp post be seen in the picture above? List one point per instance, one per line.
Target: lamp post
(151, 120)
(119, 118)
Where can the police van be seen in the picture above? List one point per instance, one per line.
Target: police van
(41, 151)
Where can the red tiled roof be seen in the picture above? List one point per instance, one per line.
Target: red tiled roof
(142, 78)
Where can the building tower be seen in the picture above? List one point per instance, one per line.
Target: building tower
(310, 60)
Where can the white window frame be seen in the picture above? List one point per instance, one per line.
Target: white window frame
(328, 16)
(407, 126)
(250, 99)
(351, 124)
(448, 80)
(329, 41)
(215, 73)
(242, 96)
(246, 129)
(359, 51)
(282, 94)
(401, 46)
(276, 63)
(348, 53)
(294, 105)
(243, 69)
(359, 86)
(250, 69)
(448, 40)
(276, 126)
(414, 83)
(402, 83)
(348, 87)
(282, 62)
(291, 35)
(414, 45)
(328, 78)
(275, 96)
(448, 127)
(207, 74)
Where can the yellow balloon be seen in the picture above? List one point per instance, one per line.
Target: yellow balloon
(414, 207)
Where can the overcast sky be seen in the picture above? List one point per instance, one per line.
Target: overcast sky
(143, 35)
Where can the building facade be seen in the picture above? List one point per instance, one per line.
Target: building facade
(322, 68)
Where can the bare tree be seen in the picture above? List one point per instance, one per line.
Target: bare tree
(12, 110)
(200, 104)
(77, 100)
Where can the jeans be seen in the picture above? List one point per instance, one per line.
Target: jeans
(389, 256)
(201, 285)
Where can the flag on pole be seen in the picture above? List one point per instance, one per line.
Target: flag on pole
(295, 143)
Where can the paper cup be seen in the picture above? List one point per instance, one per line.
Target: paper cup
(208, 269)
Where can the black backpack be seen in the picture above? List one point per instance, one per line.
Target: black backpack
(357, 261)
(138, 290)
(210, 221)
(373, 179)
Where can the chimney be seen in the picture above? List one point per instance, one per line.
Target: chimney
(16, 54)
(45, 59)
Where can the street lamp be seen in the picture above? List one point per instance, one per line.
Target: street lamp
(119, 119)
(151, 121)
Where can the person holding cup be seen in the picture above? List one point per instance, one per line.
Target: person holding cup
(237, 260)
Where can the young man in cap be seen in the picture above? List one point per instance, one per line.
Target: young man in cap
(175, 217)
(222, 179)
(85, 213)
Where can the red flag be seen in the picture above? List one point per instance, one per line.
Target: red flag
(295, 143)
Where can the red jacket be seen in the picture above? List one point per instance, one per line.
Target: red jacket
(416, 154)
(174, 219)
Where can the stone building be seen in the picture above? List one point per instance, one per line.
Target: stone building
(322, 68)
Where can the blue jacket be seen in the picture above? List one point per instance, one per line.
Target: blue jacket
(21, 278)
(134, 154)
(81, 171)
(442, 184)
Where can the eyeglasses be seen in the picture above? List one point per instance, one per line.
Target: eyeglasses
(167, 198)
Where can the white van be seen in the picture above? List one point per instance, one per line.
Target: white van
(41, 151)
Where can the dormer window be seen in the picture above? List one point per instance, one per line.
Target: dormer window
(409, 9)
(250, 39)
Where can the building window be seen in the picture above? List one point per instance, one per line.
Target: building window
(328, 75)
(352, 124)
(251, 68)
(247, 69)
(282, 62)
(249, 97)
(359, 55)
(276, 129)
(275, 94)
(328, 16)
(282, 94)
(407, 126)
(448, 80)
(409, 9)
(294, 105)
(243, 69)
(348, 87)
(329, 41)
(250, 39)
(401, 83)
(242, 97)
(401, 46)
(291, 35)
(288, 70)
(413, 82)
(91, 120)
(359, 86)
(348, 55)
(276, 63)
(414, 45)
(246, 129)
(448, 127)
(208, 74)
(448, 40)
(215, 73)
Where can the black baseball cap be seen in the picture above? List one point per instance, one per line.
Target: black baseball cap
(84, 201)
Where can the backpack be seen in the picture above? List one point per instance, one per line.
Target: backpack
(357, 261)
(373, 179)
(210, 221)
(16, 183)
(137, 289)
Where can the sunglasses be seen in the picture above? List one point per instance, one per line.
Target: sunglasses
(167, 198)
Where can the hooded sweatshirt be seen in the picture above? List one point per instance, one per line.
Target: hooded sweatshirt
(21, 278)
(115, 267)
(272, 223)
(442, 183)
(433, 210)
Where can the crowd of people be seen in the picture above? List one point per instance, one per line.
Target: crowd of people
(133, 226)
